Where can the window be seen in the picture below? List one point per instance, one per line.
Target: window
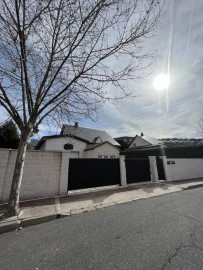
(112, 156)
(68, 146)
(74, 154)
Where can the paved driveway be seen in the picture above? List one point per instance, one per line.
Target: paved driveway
(164, 232)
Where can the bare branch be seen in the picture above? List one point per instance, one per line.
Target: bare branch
(59, 55)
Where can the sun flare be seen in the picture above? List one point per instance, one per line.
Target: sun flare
(161, 82)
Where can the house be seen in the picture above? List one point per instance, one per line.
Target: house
(81, 143)
(124, 141)
(143, 141)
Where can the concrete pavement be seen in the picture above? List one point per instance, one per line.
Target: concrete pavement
(39, 211)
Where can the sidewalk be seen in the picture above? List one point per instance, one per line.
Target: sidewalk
(39, 211)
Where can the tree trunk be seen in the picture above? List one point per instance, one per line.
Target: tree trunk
(13, 203)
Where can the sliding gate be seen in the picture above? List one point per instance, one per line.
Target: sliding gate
(89, 173)
(137, 170)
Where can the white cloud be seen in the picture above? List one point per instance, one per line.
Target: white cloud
(147, 112)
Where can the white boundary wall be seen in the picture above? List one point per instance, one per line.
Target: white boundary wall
(183, 168)
(45, 174)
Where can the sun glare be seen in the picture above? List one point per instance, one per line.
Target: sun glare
(161, 82)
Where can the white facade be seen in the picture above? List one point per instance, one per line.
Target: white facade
(57, 144)
(105, 150)
(144, 141)
(138, 142)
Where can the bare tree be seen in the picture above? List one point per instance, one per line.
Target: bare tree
(57, 56)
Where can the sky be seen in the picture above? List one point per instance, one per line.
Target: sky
(178, 111)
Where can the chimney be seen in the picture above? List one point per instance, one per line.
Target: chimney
(76, 124)
(142, 134)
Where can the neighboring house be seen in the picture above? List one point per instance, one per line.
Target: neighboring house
(143, 141)
(81, 143)
(124, 141)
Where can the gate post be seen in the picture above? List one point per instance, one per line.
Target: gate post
(122, 170)
(165, 167)
(153, 169)
(63, 181)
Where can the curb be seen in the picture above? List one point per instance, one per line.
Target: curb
(37, 220)
(8, 226)
(193, 186)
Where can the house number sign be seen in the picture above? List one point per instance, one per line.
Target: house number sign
(171, 162)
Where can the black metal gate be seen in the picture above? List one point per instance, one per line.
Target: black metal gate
(137, 170)
(160, 168)
(88, 173)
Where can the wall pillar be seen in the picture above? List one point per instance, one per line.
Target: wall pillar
(122, 171)
(165, 165)
(153, 169)
(63, 184)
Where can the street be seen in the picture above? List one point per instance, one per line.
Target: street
(164, 232)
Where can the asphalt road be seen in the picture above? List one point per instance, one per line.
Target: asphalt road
(164, 232)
